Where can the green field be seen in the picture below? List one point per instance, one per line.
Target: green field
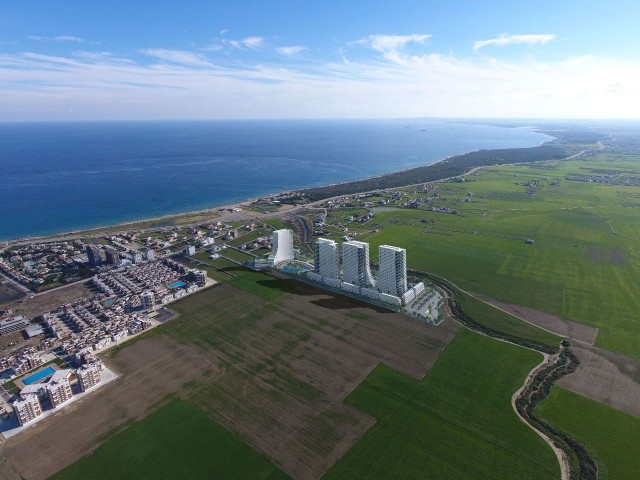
(583, 266)
(612, 437)
(167, 444)
(456, 423)
(491, 317)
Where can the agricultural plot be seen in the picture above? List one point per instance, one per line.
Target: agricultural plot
(289, 362)
(272, 371)
(455, 423)
(607, 378)
(166, 444)
(491, 317)
(551, 323)
(583, 264)
(151, 369)
(612, 437)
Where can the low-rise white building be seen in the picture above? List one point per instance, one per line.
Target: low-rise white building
(27, 408)
(88, 376)
(59, 388)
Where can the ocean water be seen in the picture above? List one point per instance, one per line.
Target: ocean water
(57, 177)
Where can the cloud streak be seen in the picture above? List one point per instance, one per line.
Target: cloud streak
(60, 38)
(291, 51)
(253, 43)
(177, 56)
(504, 39)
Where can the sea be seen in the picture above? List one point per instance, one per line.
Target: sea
(65, 176)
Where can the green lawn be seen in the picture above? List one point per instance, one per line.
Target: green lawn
(456, 423)
(612, 437)
(585, 261)
(177, 441)
(236, 255)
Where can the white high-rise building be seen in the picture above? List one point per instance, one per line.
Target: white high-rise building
(355, 263)
(392, 276)
(327, 261)
(282, 246)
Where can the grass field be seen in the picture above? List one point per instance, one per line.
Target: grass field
(456, 423)
(585, 260)
(493, 318)
(612, 437)
(172, 441)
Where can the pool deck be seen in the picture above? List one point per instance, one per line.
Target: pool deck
(21, 384)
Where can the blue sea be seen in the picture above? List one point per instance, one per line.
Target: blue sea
(58, 177)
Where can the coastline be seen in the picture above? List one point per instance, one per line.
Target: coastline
(242, 205)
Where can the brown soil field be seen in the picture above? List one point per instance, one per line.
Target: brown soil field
(149, 374)
(551, 323)
(274, 373)
(607, 378)
(289, 363)
(33, 307)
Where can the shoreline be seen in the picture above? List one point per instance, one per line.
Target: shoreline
(242, 204)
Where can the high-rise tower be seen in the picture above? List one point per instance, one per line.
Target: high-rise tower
(327, 261)
(392, 276)
(282, 249)
(93, 254)
(355, 263)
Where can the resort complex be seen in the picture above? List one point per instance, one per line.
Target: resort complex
(391, 286)
(349, 272)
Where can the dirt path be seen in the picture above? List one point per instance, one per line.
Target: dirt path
(565, 471)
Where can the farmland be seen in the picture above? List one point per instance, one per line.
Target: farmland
(272, 371)
(288, 361)
(169, 442)
(611, 436)
(584, 260)
(455, 423)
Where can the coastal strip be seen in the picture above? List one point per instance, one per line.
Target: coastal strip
(449, 167)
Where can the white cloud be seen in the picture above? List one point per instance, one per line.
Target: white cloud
(186, 85)
(254, 42)
(177, 56)
(390, 45)
(214, 47)
(504, 39)
(291, 51)
(60, 38)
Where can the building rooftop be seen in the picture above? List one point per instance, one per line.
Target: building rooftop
(60, 375)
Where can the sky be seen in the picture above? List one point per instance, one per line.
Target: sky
(111, 60)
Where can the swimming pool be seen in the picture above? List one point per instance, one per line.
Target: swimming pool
(177, 284)
(38, 376)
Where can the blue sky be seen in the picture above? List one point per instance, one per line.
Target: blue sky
(76, 60)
